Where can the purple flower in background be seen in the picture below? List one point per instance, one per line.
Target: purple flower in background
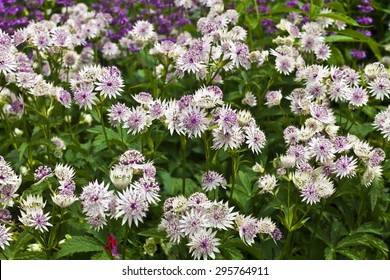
(364, 20)
(358, 54)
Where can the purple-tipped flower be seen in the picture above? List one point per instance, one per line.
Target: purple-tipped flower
(42, 172)
(358, 54)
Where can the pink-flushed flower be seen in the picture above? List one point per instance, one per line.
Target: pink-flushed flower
(267, 183)
(5, 236)
(132, 206)
(345, 167)
(117, 113)
(137, 120)
(273, 98)
(212, 180)
(232, 138)
(321, 149)
(248, 228)
(380, 88)
(255, 138)
(310, 194)
(192, 222)
(203, 244)
(193, 121)
(220, 216)
(148, 188)
(84, 96)
(359, 97)
(110, 83)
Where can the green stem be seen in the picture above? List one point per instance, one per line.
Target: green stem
(100, 112)
(125, 241)
(207, 149)
(184, 162)
(235, 165)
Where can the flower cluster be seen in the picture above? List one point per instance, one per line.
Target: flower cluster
(32, 214)
(193, 115)
(133, 200)
(198, 220)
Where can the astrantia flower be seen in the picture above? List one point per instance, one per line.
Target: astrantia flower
(284, 64)
(380, 88)
(192, 221)
(84, 96)
(143, 30)
(310, 194)
(193, 121)
(63, 200)
(255, 138)
(42, 172)
(7, 62)
(211, 180)
(227, 118)
(95, 198)
(65, 98)
(148, 188)
(322, 51)
(144, 98)
(208, 97)
(5, 236)
(132, 158)
(172, 114)
(322, 113)
(225, 139)
(136, 120)
(117, 113)
(132, 206)
(266, 225)
(63, 172)
(248, 228)
(203, 244)
(121, 176)
(190, 62)
(39, 221)
(345, 167)
(110, 84)
(249, 99)
(273, 98)
(359, 97)
(220, 216)
(321, 148)
(267, 183)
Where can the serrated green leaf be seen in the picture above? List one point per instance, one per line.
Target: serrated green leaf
(367, 240)
(79, 244)
(376, 191)
(369, 228)
(351, 254)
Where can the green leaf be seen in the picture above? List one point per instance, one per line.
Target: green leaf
(374, 46)
(21, 243)
(367, 240)
(376, 191)
(231, 253)
(153, 233)
(336, 57)
(369, 228)
(31, 256)
(351, 254)
(340, 17)
(22, 150)
(335, 6)
(340, 38)
(329, 254)
(79, 244)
